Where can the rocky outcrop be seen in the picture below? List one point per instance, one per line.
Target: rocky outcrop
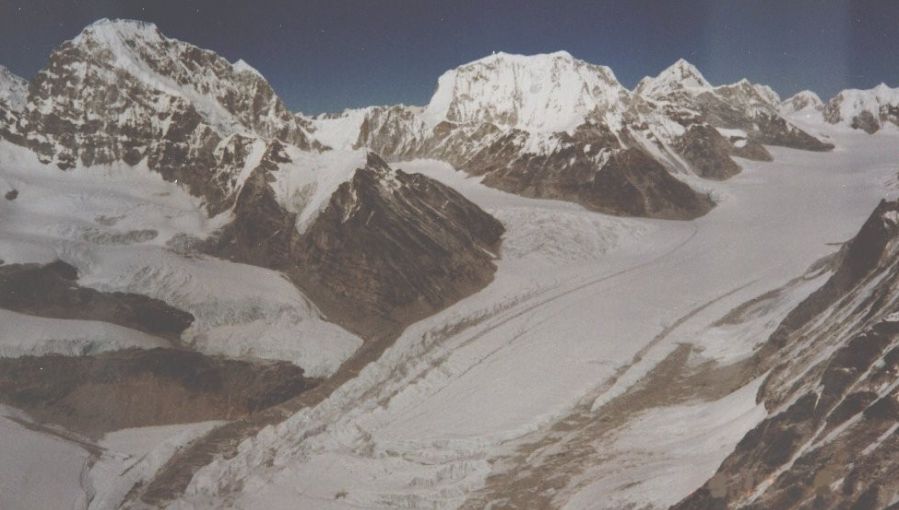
(708, 152)
(138, 388)
(389, 248)
(52, 290)
(832, 394)
(398, 246)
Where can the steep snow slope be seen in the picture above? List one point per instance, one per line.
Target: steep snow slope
(39, 469)
(496, 372)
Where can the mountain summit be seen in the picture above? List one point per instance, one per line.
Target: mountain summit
(679, 76)
(547, 92)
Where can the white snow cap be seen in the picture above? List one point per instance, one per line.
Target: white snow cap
(241, 66)
(13, 89)
(680, 75)
(126, 28)
(852, 102)
(546, 92)
(804, 100)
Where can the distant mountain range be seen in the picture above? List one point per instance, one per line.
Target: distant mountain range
(546, 126)
(292, 188)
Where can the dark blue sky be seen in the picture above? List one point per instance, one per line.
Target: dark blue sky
(328, 55)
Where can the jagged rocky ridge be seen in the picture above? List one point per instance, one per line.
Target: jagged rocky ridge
(552, 126)
(123, 93)
(832, 393)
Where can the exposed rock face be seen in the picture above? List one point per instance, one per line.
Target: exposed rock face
(137, 388)
(629, 183)
(708, 152)
(409, 243)
(868, 110)
(121, 91)
(832, 394)
(52, 291)
(389, 248)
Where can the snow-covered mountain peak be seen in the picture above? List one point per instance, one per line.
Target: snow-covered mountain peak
(864, 109)
(116, 32)
(680, 75)
(172, 74)
(802, 101)
(13, 89)
(545, 92)
(241, 66)
(767, 93)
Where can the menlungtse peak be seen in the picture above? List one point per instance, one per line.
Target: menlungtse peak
(546, 92)
(680, 75)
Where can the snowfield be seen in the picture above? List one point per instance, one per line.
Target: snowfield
(124, 229)
(582, 307)
(47, 468)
